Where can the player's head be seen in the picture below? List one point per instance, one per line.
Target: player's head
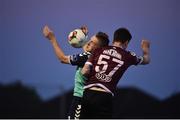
(122, 35)
(99, 40)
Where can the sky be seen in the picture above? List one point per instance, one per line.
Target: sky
(27, 56)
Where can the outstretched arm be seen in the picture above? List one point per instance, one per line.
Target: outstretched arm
(145, 46)
(48, 33)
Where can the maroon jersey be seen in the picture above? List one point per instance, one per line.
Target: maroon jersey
(108, 66)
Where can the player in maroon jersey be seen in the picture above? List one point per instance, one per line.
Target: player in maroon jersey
(104, 69)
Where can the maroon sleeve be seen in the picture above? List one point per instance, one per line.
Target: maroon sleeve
(135, 60)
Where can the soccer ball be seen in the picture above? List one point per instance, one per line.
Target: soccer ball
(77, 38)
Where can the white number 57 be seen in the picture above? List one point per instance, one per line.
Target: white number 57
(103, 61)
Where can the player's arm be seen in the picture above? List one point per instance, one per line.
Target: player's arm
(145, 46)
(86, 69)
(88, 65)
(57, 49)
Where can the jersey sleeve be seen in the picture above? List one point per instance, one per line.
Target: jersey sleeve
(135, 60)
(79, 59)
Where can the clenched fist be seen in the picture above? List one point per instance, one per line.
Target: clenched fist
(48, 33)
(145, 45)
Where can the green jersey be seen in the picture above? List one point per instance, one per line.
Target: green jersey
(79, 60)
(79, 83)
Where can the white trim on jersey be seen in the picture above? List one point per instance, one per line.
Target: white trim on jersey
(88, 63)
(69, 61)
(99, 85)
(141, 60)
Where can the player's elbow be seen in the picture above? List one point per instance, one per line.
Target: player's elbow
(64, 60)
(146, 61)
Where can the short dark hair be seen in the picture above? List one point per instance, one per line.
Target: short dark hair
(122, 35)
(103, 39)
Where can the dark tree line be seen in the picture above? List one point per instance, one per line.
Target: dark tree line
(20, 101)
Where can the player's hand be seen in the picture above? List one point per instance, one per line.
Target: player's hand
(145, 45)
(84, 29)
(48, 33)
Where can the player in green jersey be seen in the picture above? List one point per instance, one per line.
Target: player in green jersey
(98, 40)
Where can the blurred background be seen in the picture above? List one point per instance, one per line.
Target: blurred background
(31, 77)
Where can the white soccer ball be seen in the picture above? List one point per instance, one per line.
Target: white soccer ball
(77, 38)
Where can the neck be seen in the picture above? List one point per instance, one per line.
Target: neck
(119, 44)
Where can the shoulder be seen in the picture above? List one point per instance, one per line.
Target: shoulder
(84, 54)
(79, 59)
(80, 55)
